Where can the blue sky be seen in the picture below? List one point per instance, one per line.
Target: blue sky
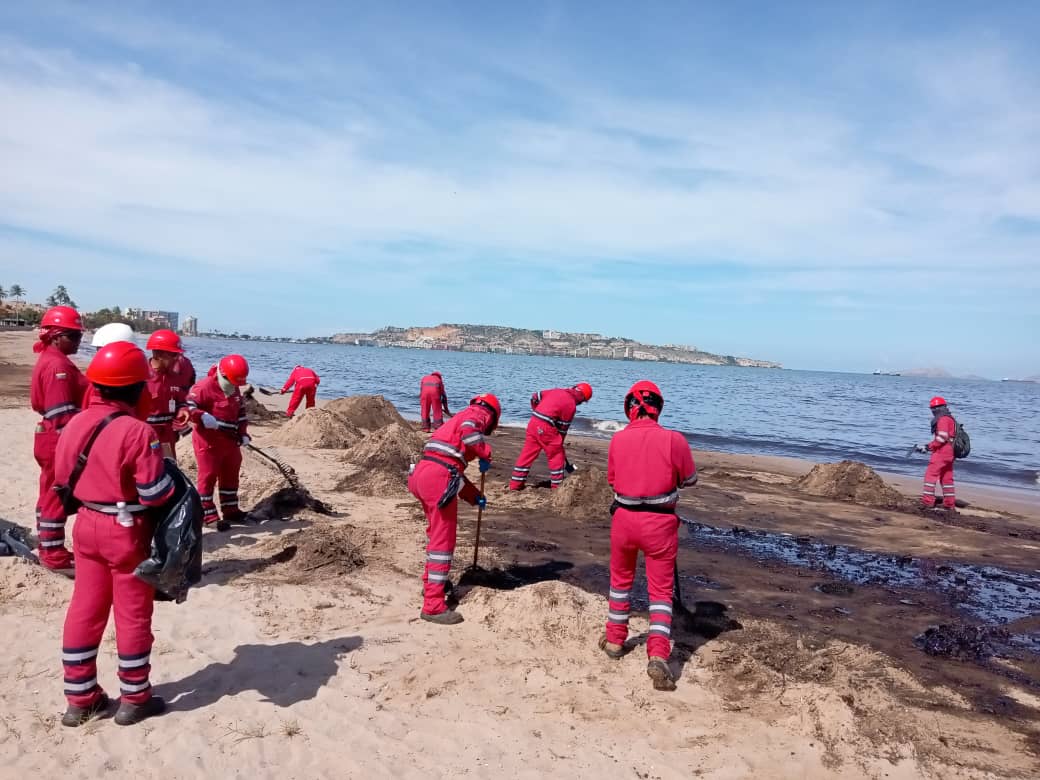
(827, 185)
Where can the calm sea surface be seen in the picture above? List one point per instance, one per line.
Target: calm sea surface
(814, 415)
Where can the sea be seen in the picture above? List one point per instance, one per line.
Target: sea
(815, 415)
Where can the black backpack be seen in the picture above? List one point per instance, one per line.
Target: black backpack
(961, 442)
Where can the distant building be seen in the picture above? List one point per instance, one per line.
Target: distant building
(190, 326)
(550, 335)
(161, 319)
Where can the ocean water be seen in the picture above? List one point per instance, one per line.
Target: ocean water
(819, 416)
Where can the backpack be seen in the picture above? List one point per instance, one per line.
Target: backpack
(961, 442)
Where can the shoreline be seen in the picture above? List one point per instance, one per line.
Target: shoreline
(16, 354)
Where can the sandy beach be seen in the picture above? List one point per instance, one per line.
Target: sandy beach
(301, 655)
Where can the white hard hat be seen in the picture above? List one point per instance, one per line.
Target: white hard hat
(114, 331)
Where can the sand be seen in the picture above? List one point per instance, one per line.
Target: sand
(301, 656)
(849, 481)
(319, 428)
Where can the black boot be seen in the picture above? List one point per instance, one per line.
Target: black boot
(448, 617)
(128, 714)
(660, 674)
(77, 716)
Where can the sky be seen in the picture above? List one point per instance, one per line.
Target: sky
(830, 185)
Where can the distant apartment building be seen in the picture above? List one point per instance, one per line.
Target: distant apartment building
(161, 319)
(190, 326)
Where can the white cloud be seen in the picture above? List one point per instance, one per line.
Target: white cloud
(116, 156)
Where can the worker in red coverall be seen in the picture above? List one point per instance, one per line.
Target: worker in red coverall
(646, 467)
(553, 412)
(124, 467)
(182, 381)
(306, 382)
(217, 410)
(438, 482)
(940, 467)
(168, 402)
(432, 398)
(56, 394)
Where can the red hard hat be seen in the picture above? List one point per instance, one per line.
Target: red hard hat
(644, 394)
(63, 317)
(436, 373)
(118, 364)
(585, 389)
(490, 402)
(937, 401)
(165, 341)
(234, 369)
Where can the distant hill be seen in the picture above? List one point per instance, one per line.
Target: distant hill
(928, 373)
(524, 341)
(1033, 378)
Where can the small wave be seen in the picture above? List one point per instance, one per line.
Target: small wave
(608, 426)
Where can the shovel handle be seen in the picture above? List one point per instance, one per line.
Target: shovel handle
(480, 515)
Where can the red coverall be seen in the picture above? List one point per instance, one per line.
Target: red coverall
(646, 466)
(432, 398)
(217, 451)
(553, 412)
(306, 382)
(183, 375)
(164, 401)
(181, 381)
(940, 467)
(433, 482)
(125, 464)
(56, 393)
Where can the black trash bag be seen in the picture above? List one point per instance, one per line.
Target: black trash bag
(176, 560)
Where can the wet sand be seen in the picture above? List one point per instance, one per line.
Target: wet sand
(295, 660)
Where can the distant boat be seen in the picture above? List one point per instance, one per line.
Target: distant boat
(887, 373)
(1023, 381)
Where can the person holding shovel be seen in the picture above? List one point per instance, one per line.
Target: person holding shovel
(217, 411)
(438, 482)
(306, 382)
(646, 466)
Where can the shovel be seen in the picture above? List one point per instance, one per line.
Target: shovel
(480, 514)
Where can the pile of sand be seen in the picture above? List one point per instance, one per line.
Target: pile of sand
(316, 428)
(849, 481)
(320, 551)
(551, 612)
(368, 412)
(383, 458)
(585, 494)
(255, 409)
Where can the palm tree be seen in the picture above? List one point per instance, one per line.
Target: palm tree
(17, 292)
(3, 294)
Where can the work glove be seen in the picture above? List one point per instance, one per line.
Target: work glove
(481, 502)
(209, 421)
(246, 441)
(570, 468)
(485, 465)
(281, 392)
